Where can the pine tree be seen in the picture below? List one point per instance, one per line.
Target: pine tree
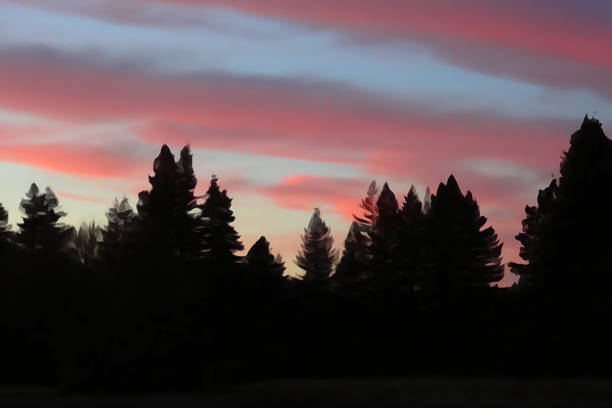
(355, 257)
(120, 217)
(316, 256)
(6, 235)
(566, 239)
(166, 222)
(538, 217)
(40, 230)
(460, 253)
(411, 239)
(368, 204)
(262, 263)
(385, 234)
(5, 228)
(220, 240)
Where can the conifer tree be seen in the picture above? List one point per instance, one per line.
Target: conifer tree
(40, 230)
(262, 263)
(368, 204)
(566, 239)
(537, 217)
(220, 240)
(6, 235)
(411, 238)
(460, 253)
(120, 217)
(166, 221)
(118, 235)
(355, 257)
(316, 256)
(5, 228)
(384, 235)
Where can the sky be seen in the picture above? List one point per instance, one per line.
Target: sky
(298, 104)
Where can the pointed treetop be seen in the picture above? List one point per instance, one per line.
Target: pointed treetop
(452, 184)
(165, 150)
(33, 191)
(316, 224)
(412, 204)
(165, 160)
(185, 163)
(260, 246)
(588, 122)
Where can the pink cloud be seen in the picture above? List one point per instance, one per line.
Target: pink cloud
(561, 44)
(79, 197)
(84, 161)
(563, 31)
(301, 192)
(552, 43)
(313, 120)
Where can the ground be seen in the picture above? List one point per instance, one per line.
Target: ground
(378, 393)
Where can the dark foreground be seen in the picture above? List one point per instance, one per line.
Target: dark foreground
(350, 393)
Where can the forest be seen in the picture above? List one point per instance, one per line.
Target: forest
(158, 299)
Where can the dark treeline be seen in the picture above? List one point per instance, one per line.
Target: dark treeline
(159, 299)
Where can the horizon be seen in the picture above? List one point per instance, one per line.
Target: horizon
(295, 106)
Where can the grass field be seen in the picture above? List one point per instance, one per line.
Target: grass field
(350, 393)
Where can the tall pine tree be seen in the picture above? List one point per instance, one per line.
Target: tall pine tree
(461, 254)
(220, 240)
(317, 257)
(411, 240)
(536, 221)
(566, 238)
(40, 230)
(384, 236)
(355, 258)
(166, 223)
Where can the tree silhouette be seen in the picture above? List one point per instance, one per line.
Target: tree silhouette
(165, 220)
(355, 257)
(411, 239)
(5, 229)
(40, 230)
(356, 260)
(316, 256)
(461, 254)
(566, 238)
(538, 217)
(262, 263)
(220, 239)
(120, 217)
(384, 236)
(368, 204)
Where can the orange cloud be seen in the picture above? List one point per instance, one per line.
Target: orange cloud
(84, 161)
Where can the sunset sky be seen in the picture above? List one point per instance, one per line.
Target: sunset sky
(297, 104)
